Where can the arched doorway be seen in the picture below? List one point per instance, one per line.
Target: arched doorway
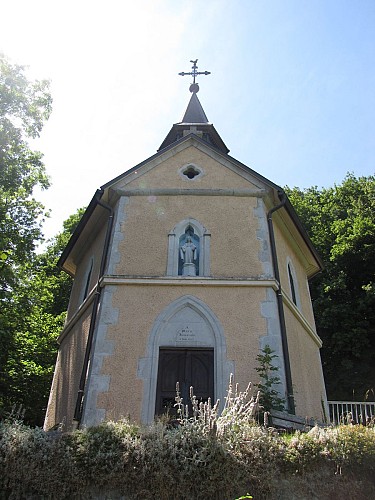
(186, 336)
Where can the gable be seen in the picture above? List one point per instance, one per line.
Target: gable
(162, 175)
(166, 171)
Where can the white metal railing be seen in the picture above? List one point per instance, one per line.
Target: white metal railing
(345, 412)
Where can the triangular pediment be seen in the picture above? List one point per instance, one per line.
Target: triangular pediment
(163, 174)
(168, 168)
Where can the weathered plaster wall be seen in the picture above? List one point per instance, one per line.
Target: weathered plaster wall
(67, 374)
(307, 375)
(286, 249)
(93, 252)
(129, 310)
(303, 342)
(138, 307)
(166, 174)
(230, 220)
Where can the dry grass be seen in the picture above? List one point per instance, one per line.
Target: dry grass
(206, 456)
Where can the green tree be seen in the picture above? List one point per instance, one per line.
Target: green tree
(24, 106)
(341, 223)
(39, 307)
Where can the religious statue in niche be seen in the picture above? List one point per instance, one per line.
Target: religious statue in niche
(189, 248)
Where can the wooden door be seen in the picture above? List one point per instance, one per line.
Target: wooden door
(189, 367)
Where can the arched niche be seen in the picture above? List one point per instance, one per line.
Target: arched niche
(185, 323)
(201, 238)
(293, 283)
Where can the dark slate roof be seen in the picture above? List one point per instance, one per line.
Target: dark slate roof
(205, 131)
(195, 121)
(194, 112)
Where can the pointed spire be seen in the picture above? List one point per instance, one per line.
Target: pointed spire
(195, 121)
(194, 112)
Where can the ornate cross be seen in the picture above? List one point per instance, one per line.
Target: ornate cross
(194, 86)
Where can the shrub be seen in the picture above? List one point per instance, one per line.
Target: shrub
(206, 455)
(269, 397)
(352, 448)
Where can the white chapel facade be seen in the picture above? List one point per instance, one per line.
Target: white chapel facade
(185, 267)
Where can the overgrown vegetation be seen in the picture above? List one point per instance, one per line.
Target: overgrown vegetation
(205, 455)
(189, 461)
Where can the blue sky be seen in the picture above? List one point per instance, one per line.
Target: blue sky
(291, 89)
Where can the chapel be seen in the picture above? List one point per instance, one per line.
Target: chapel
(185, 267)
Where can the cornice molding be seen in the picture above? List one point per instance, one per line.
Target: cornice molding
(188, 281)
(256, 193)
(77, 315)
(297, 313)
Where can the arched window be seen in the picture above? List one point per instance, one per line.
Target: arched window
(293, 285)
(189, 249)
(86, 288)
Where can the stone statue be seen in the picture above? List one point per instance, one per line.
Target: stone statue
(188, 252)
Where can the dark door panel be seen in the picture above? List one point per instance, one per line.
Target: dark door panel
(189, 367)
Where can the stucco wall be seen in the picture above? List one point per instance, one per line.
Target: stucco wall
(303, 342)
(286, 250)
(129, 310)
(149, 219)
(230, 220)
(138, 307)
(307, 376)
(166, 174)
(67, 374)
(92, 252)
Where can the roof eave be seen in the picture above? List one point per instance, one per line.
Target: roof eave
(78, 230)
(294, 216)
(201, 127)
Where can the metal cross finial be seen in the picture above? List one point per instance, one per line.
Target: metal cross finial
(194, 86)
